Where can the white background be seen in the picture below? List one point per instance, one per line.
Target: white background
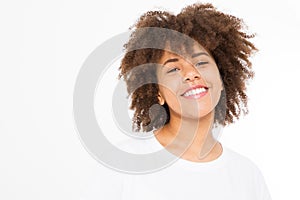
(42, 47)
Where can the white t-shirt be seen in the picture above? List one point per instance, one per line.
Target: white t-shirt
(229, 177)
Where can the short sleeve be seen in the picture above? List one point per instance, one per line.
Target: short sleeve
(263, 191)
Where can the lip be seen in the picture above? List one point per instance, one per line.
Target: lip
(196, 96)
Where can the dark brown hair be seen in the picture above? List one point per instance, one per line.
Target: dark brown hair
(220, 34)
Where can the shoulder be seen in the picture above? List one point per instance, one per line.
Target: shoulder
(238, 160)
(247, 170)
(240, 163)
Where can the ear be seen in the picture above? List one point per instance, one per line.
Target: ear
(161, 100)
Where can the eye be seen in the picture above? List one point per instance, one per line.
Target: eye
(175, 69)
(200, 64)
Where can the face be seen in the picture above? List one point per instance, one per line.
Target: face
(191, 86)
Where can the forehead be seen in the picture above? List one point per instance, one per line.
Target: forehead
(184, 52)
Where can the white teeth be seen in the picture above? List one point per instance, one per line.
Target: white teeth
(194, 92)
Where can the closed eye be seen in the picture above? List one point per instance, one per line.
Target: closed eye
(201, 64)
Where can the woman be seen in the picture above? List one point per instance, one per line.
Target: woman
(181, 90)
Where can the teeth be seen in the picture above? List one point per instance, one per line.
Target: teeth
(194, 92)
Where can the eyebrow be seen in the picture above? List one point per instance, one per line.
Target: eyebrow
(170, 60)
(199, 54)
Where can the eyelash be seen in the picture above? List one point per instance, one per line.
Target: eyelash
(173, 70)
(197, 65)
(200, 63)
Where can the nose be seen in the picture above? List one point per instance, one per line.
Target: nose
(190, 73)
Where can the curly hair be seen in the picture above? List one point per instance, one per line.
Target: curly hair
(220, 34)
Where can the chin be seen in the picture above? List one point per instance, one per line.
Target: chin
(201, 114)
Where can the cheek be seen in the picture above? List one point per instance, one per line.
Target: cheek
(170, 92)
(173, 102)
(213, 77)
(169, 85)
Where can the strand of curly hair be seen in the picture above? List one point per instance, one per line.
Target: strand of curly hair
(220, 34)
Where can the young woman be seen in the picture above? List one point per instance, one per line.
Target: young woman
(183, 89)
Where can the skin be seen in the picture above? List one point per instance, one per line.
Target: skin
(188, 134)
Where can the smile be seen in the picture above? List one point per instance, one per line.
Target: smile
(195, 92)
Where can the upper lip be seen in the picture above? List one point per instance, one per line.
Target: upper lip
(194, 87)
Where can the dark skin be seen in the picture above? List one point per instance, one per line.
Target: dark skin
(224, 42)
(192, 116)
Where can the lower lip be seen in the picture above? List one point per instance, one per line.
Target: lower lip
(196, 96)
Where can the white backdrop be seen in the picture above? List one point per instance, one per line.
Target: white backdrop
(43, 45)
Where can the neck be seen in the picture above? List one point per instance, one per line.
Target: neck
(188, 138)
